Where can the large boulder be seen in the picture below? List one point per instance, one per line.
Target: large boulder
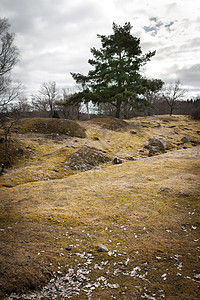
(159, 143)
(85, 159)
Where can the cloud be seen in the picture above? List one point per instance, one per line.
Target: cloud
(55, 37)
(157, 25)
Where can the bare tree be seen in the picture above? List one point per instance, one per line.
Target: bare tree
(8, 58)
(68, 110)
(21, 108)
(46, 98)
(172, 94)
(8, 51)
(6, 125)
(10, 92)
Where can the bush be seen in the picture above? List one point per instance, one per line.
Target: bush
(196, 114)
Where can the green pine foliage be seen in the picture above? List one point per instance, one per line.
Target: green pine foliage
(115, 77)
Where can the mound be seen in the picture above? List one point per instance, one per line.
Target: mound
(48, 126)
(110, 123)
(85, 159)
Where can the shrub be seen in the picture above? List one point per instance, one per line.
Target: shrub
(196, 114)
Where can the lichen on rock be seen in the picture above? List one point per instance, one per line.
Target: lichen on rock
(85, 159)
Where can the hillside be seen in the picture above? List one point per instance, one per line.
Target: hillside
(64, 195)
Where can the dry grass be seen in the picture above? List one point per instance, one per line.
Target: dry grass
(146, 209)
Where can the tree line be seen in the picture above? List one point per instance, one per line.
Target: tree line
(114, 86)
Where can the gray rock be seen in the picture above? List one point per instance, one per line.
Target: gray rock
(102, 248)
(68, 248)
(154, 150)
(117, 161)
(185, 139)
(160, 143)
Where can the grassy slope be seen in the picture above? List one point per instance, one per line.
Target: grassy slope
(155, 199)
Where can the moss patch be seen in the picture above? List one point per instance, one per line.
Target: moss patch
(110, 123)
(48, 126)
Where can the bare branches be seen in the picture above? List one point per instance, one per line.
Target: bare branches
(10, 93)
(8, 51)
(172, 94)
(46, 98)
(8, 59)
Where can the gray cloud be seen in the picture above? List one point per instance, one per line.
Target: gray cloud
(55, 37)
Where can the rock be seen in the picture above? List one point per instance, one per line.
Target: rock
(154, 150)
(68, 248)
(113, 286)
(185, 139)
(117, 161)
(133, 132)
(102, 248)
(85, 159)
(160, 143)
(197, 276)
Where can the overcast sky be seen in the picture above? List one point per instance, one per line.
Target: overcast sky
(55, 37)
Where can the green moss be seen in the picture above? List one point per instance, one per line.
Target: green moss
(48, 126)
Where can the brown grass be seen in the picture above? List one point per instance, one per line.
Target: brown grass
(147, 210)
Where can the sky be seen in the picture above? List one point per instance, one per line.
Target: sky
(55, 37)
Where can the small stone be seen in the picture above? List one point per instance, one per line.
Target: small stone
(197, 276)
(117, 161)
(133, 132)
(113, 286)
(68, 248)
(102, 248)
(185, 139)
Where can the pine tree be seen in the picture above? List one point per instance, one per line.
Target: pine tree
(115, 77)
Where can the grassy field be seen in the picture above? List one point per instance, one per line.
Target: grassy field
(145, 210)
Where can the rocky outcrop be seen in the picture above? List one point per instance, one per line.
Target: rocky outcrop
(156, 146)
(85, 159)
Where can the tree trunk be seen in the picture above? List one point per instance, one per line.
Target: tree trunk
(171, 110)
(118, 109)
